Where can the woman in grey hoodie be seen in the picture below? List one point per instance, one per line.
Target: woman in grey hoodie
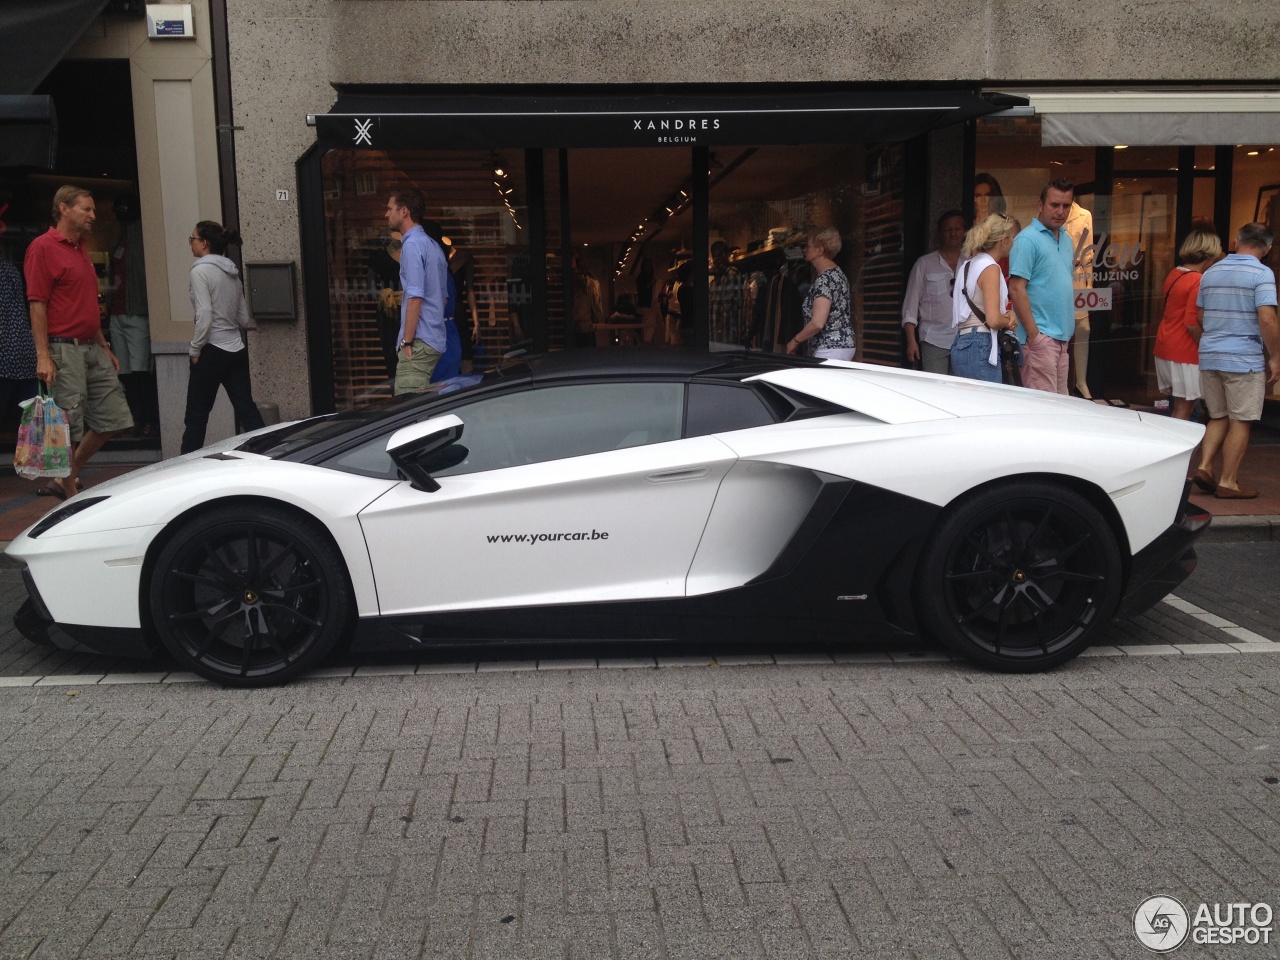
(218, 356)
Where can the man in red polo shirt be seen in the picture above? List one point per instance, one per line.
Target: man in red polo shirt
(72, 355)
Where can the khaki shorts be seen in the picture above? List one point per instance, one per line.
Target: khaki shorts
(88, 390)
(414, 376)
(1234, 395)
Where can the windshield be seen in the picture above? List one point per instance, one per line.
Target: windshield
(294, 437)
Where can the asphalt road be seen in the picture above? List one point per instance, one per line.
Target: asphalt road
(594, 802)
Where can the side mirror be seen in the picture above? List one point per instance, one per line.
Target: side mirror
(410, 446)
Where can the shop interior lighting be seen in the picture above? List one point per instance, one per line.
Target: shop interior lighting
(504, 193)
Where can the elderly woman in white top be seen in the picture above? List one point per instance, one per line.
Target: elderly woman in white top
(218, 356)
(980, 305)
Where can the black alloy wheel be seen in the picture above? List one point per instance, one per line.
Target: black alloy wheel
(250, 596)
(1020, 576)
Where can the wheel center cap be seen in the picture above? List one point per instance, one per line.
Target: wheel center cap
(1019, 576)
(250, 597)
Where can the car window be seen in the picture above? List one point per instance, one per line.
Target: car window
(721, 407)
(548, 423)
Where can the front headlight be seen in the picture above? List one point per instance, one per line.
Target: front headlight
(55, 518)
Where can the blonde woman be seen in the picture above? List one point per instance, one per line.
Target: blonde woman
(828, 307)
(980, 302)
(1177, 339)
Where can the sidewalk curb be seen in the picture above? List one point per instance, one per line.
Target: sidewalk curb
(1242, 529)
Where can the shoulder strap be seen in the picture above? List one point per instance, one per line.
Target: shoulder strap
(964, 287)
(1169, 288)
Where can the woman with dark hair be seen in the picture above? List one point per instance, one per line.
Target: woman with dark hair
(218, 356)
(987, 197)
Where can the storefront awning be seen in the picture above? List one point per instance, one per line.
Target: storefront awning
(36, 34)
(396, 118)
(1157, 118)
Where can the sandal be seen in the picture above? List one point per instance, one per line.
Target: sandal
(52, 489)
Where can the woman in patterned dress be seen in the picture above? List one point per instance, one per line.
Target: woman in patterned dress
(828, 306)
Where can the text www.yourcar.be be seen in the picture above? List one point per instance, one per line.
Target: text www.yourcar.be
(532, 538)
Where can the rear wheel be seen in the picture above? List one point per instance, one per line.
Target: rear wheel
(249, 596)
(1020, 577)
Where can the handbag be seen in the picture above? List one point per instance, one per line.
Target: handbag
(44, 439)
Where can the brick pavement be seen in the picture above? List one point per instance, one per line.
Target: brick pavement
(904, 811)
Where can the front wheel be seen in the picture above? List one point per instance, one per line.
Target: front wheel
(249, 596)
(1020, 577)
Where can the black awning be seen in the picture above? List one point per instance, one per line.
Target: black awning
(36, 34)
(382, 118)
(28, 131)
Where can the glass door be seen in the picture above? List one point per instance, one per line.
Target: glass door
(625, 246)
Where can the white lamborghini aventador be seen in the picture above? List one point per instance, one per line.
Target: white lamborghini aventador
(627, 495)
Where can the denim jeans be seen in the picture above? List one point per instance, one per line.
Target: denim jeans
(969, 356)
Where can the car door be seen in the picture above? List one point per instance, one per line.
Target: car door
(572, 493)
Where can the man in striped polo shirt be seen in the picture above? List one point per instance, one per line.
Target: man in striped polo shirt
(1237, 309)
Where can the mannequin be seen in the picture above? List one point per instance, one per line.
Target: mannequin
(1079, 227)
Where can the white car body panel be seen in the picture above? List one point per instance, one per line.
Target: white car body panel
(933, 460)
(653, 502)
(908, 396)
(759, 507)
(79, 562)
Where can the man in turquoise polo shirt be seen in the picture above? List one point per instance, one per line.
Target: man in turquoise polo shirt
(1041, 288)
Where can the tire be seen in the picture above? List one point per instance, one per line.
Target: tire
(1020, 577)
(249, 596)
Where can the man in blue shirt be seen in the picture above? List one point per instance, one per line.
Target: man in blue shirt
(1237, 310)
(1042, 291)
(424, 276)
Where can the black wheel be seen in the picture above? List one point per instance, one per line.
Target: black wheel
(249, 596)
(1019, 577)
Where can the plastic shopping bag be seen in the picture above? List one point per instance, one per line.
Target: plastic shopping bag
(44, 440)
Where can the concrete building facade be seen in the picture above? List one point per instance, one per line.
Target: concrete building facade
(475, 86)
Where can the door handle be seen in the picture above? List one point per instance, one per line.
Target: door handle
(670, 476)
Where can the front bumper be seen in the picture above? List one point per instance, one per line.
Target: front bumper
(1158, 568)
(34, 622)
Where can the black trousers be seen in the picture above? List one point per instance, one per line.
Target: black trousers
(218, 368)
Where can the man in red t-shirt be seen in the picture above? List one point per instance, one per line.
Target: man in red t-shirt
(72, 356)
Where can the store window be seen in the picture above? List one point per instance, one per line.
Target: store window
(762, 202)
(1255, 185)
(615, 230)
(479, 200)
(630, 233)
(1141, 200)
